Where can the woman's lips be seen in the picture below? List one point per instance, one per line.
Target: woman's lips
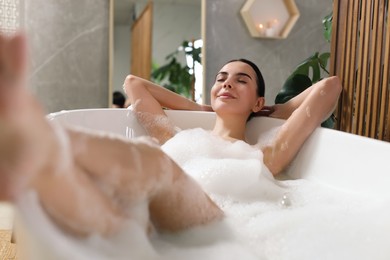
(226, 96)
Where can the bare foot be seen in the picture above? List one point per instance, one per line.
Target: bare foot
(25, 135)
(34, 154)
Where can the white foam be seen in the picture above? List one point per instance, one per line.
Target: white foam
(282, 220)
(265, 218)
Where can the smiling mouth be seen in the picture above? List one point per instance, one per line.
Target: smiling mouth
(226, 96)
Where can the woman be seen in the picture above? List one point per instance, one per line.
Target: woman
(238, 92)
(113, 176)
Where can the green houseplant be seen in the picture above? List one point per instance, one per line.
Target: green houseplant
(175, 76)
(309, 72)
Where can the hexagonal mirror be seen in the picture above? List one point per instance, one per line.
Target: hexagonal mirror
(270, 18)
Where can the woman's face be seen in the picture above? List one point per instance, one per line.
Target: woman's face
(235, 90)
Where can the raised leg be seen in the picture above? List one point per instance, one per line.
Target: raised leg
(101, 176)
(131, 170)
(32, 156)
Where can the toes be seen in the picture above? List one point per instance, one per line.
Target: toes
(13, 58)
(17, 56)
(2, 52)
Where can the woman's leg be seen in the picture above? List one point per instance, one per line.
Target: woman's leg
(34, 155)
(130, 170)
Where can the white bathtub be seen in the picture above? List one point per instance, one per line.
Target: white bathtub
(343, 161)
(335, 158)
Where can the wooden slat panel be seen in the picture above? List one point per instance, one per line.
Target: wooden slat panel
(365, 34)
(371, 74)
(360, 56)
(141, 43)
(344, 72)
(378, 76)
(337, 49)
(352, 80)
(359, 76)
(334, 42)
(344, 15)
(349, 67)
(334, 53)
(384, 110)
(385, 91)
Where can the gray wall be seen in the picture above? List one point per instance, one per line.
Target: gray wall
(228, 38)
(69, 48)
(121, 55)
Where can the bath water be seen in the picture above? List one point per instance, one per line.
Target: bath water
(265, 218)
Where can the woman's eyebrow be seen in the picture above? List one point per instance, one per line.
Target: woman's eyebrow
(224, 73)
(243, 74)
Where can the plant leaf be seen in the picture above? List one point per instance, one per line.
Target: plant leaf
(196, 54)
(323, 60)
(327, 23)
(310, 63)
(329, 123)
(293, 86)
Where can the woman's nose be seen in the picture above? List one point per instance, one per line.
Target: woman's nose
(227, 85)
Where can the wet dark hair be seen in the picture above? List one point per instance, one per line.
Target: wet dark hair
(118, 99)
(259, 77)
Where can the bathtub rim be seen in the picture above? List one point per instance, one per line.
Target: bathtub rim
(347, 167)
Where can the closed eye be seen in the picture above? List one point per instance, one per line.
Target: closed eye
(221, 76)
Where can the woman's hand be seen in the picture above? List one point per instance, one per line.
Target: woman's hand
(154, 97)
(265, 111)
(282, 111)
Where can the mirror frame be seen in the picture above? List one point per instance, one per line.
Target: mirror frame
(110, 50)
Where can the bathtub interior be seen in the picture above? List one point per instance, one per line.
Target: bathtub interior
(343, 161)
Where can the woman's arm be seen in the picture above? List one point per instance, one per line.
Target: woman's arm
(148, 100)
(151, 97)
(304, 114)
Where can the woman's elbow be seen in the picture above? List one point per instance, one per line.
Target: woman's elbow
(333, 84)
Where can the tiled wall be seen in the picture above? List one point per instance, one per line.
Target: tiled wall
(68, 42)
(9, 16)
(69, 52)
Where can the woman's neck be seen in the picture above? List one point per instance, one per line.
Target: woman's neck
(232, 128)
